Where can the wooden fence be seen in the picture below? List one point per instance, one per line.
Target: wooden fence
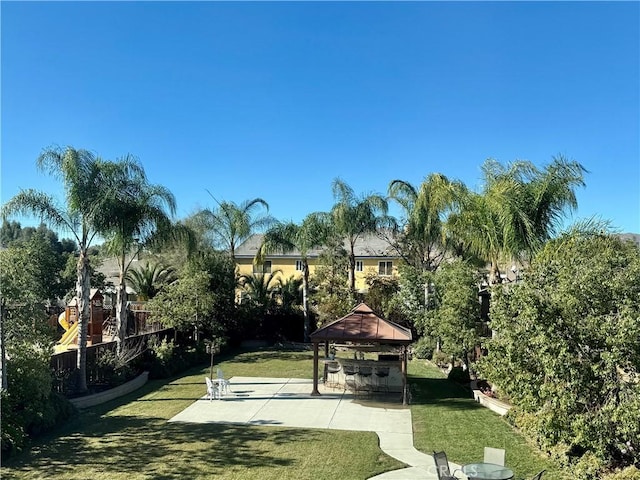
(63, 365)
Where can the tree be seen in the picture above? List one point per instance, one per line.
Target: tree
(353, 216)
(185, 304)
(149, 279)
(202, 296)
(141, 218)
(332, 296)
(261, 289)
(454, 309)
(567, 351)
(289, 237)
(518, 209)
(29, 269)
(89, 191)
(231, 224)
(420, 241)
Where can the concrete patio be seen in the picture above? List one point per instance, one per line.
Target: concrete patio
(288, 402)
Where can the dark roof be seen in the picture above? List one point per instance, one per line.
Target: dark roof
(369, 245)
(362, 325)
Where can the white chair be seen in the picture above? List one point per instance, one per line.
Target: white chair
(224, 385)
(212, 389)
(494, 455)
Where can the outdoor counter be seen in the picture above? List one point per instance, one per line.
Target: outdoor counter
(392, 383)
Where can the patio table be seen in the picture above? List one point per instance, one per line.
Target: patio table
(487, 471)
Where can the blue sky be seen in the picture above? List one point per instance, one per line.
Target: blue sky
(275, 100)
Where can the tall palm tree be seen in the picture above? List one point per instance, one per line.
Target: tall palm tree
(231, 224)
(353, 216)
(89, 192)
(421, 239)
(141, 218)
(148, 279)
(289, 237)
(518, 209)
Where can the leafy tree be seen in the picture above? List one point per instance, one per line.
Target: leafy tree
(517, 210)
(567, 351)
(381, 290)
(185, 304)
(332, 296)
(353, 216)
(149, 279)
(202, 296)
(454, 309)
(29, 269)
(409, 304)
(290, 237)
(89, 191)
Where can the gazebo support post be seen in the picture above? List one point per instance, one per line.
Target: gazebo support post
(326, 349)
(315, 391)
(404, 375)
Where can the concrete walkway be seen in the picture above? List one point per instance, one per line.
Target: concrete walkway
(287, 402)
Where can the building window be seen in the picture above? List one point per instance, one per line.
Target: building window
(299, 266)
(359, 265)
(385, 268)
(264, 268)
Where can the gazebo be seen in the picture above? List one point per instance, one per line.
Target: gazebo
(362, 327)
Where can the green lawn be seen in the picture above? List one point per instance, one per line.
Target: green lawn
(445, 417)
(130, 438)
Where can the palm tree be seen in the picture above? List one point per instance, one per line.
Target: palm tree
(353, 216)
(518, 209)
(261, 288)
(421, 241)
(149, 279)
(231, 224)
(289, 237)
(141, 219)
(89, 193)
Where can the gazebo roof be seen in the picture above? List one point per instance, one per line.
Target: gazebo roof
(362, 325)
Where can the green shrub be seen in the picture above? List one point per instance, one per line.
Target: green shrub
(629, 473)
(113, 370)
(29, 407)
(441, 359)
(423, 348)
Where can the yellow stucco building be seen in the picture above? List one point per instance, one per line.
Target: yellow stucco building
(373, 254)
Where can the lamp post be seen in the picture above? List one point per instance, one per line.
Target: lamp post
(211, 348)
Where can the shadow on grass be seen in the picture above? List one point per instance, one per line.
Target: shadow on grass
(270, 355)
(430, 391)
(162, 450)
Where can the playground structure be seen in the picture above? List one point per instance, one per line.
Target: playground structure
(102, 325)
(69, 322)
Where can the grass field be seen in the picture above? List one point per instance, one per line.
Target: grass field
(130, 438)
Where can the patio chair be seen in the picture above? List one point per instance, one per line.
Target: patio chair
(333, 368)
(364, 375)
(494, 455)
(442, 466)
(539, 475)
(382, 375)
(350, 383)
(223, 384)
(212, 389)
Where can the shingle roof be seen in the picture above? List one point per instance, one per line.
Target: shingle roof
(369, 245)
(363, 325)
